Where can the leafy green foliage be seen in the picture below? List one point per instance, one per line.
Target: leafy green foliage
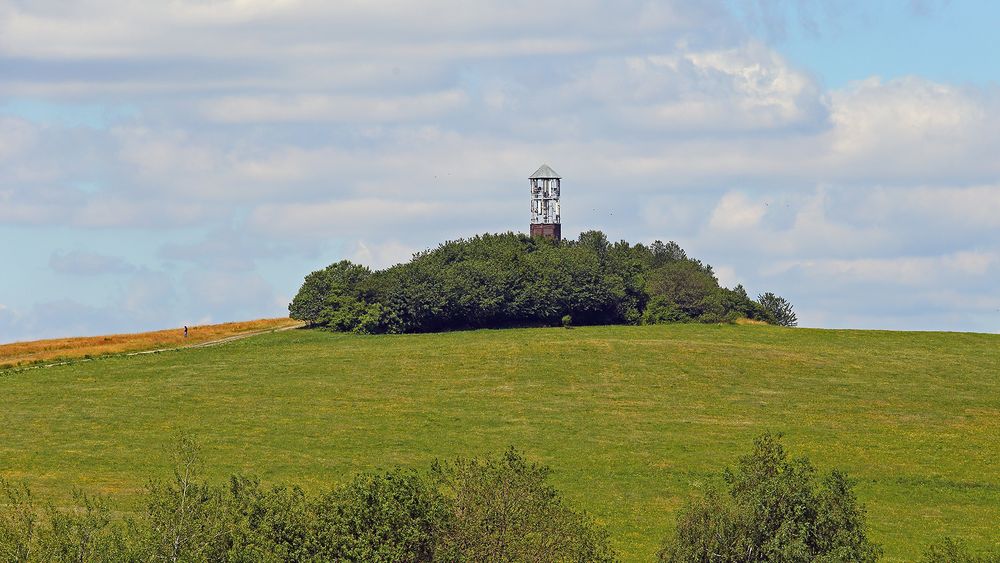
(505, 510)
(330, 296)
(389, 517)
(18, 522)
(684, 283)
(662, 310)
(776, 511)
(504, 280)
(472, 510)
(779, 309)
(79, 534)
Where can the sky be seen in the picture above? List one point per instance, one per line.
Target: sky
(190, 161)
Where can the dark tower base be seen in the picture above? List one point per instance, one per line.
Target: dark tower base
(547, 230)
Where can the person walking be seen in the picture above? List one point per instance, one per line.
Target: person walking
(185, 331)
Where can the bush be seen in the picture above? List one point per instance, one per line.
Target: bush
(776, 510)
(18, 522)
(81, 533)
(187, 518)
(662, 310)
(505, 510)
(951, 551)
(499, 509)
(567, 321)
(387, 517)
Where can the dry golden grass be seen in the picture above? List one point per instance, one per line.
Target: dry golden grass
(750, 322)
(58, 349)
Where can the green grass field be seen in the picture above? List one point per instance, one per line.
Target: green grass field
(631, 419)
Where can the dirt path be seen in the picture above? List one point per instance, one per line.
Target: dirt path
(218, 342)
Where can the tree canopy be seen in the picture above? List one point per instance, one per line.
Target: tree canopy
(777, 510)
(505, 280)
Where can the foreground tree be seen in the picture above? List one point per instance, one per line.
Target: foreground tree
(492, 509)
(395, 516)
(776, 510)
(505, 510)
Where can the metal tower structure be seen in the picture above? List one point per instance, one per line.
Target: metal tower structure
(545, 220)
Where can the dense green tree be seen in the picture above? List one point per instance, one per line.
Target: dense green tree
(505, 510)
(779, 309)
(684, 283)
(325, 292)
(776, 511)
(662, 310)
(391, 517)
(502, 280)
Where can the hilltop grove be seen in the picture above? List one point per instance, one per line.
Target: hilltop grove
(505, 280)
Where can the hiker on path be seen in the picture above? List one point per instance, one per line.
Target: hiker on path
(185, 331)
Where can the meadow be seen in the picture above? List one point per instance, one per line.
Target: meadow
(632, 420)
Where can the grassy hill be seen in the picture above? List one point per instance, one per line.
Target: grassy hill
(631, 419)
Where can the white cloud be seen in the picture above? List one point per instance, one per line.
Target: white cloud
(959, 207)
(270, 125)
(735, 211)
(922, 271)
(914, 129)
(314, 107)
(726, 275)
(381, 255)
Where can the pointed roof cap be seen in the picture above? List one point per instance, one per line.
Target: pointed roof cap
(544, 172)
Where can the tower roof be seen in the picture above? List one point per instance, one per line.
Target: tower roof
(544, 172)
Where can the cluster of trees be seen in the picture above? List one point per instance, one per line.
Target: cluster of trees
(501, 508)
(504, 280)
(493, 509)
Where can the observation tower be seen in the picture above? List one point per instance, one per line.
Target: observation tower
(545, 220)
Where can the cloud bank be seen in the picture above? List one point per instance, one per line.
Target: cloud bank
(233, 146)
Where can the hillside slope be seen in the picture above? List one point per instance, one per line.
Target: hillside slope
(54, 350)
(631, 419)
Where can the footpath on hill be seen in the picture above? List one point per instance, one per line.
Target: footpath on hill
(56, 352)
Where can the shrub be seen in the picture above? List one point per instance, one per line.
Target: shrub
(387, 517)
(662, 310)
(500, 509)
(505, 510)
(77, 535)
(950, 551)
(776, 510)
(18, 522)
(187, 518)
(81, 533)
(567, 321)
